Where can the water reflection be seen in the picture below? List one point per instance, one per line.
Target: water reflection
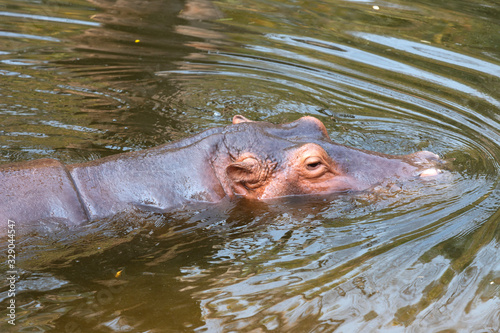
(434, 53)
(48, 18)
(107, 66)
(396, 79)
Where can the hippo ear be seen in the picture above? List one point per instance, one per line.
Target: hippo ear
(240, 119)
(247, 172)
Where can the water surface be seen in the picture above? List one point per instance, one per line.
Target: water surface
(86, 79)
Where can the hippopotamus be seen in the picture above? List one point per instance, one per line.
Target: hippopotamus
(250, 159)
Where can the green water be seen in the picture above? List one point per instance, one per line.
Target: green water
(82, 80)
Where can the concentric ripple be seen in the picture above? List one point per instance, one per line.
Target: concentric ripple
(416, 259)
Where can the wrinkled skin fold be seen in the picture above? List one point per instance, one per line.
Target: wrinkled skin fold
(255, 160)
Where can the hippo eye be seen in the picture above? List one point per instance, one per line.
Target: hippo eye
(312, 163)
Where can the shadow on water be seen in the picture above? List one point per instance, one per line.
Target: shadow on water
(88, 79)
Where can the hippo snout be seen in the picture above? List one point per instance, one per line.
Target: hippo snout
(429, 164)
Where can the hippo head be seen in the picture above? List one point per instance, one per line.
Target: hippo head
(266, 161)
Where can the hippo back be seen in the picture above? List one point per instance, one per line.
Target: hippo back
(38, 191)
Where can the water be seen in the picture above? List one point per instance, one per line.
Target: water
(82, 80)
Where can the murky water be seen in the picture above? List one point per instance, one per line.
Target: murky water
(82, 80)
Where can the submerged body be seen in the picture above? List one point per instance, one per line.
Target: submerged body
(256, 160)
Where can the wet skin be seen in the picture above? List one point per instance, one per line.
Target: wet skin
(256, 160)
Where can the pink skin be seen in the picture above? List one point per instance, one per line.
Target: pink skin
(311, 171)
(319, 167)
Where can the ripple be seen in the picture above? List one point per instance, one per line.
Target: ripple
(22, 62)
(55, 123)
(378, 61)
(432, 52)
(49, 18)
(10, 73)
(28, 36)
